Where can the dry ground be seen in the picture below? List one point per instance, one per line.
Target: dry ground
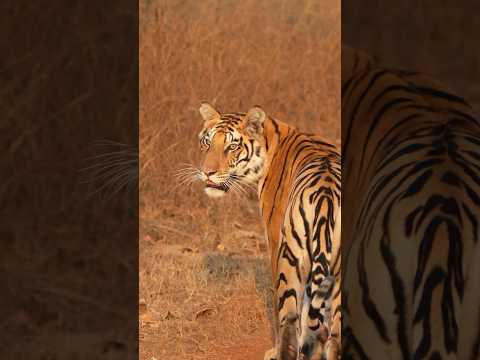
(204, 278)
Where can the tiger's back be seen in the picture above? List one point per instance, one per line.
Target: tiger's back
(300, 201)
(411, 238)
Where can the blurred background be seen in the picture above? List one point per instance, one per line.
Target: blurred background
(204, 275)
(439, 39)
(69, 259)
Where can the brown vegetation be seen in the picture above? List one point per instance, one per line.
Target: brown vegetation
(204, 280)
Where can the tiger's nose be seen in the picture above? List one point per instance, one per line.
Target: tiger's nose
(209, 172)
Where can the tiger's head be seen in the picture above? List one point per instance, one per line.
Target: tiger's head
(233, 146)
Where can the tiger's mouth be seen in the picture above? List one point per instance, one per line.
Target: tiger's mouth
(215, 190)
(212, 185)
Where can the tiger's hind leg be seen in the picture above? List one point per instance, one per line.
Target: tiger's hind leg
(287, 343)
(289, 296)
(288, 346)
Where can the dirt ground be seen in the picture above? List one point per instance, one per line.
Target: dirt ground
(205, 288)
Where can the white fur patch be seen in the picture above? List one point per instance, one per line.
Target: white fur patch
(214, 193)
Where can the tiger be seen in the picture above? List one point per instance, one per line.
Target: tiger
(298, 182)
(411, 179)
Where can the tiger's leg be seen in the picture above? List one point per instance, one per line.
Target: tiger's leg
(272, 353)
(289, 296)
(286, 347)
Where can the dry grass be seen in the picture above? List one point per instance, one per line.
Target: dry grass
(203, 268)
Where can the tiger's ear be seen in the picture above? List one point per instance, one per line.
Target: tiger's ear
(253, 121)
(208, 112)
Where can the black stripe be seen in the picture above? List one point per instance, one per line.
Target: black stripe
(380, 116)
(368, 304)
(295, 137)
(294, 232)
(399, 293)
(424, 311)
(285, 296)
(377, 76)
(440, 94)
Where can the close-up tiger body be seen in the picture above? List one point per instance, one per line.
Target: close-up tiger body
(297, 177)
(411, 252)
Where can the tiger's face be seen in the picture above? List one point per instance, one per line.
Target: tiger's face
(233, 149)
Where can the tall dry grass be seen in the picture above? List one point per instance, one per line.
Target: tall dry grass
(282, 55)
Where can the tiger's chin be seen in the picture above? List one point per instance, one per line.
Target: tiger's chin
(214, 192)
